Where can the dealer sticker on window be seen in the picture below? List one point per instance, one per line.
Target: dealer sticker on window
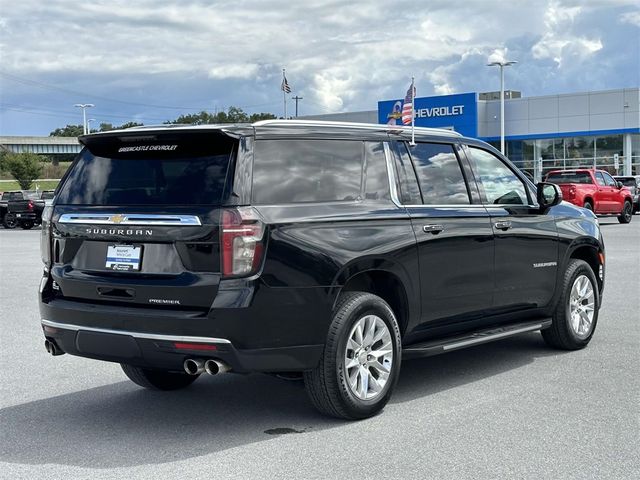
(123, 257)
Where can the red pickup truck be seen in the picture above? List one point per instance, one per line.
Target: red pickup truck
(595, 190)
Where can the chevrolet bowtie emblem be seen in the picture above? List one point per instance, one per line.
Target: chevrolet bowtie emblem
(116, 218)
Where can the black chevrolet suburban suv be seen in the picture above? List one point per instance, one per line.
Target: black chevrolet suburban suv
(329, 251)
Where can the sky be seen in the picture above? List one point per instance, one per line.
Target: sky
(151, 60)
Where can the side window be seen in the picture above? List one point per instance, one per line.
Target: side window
(500, 185)
(409, 190)
(376, 183)
(298, 171)
(439, 174)
(608, 179)
(600, 179)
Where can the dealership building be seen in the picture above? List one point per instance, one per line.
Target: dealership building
(589, 129)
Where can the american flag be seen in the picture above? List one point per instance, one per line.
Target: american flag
(285, 85)
(407, 106)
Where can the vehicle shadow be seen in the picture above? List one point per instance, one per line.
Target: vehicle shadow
(121, 425)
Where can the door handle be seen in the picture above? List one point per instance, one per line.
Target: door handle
(503, 225)
(433, 228)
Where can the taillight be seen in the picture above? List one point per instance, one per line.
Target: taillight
(571, 191)
(45, 236)
(30, 205)
(241, 241)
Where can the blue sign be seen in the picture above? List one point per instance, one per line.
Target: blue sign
(458, 112)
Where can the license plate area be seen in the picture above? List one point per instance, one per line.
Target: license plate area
(124, 258)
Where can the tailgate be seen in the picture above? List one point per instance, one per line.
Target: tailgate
(137, 218)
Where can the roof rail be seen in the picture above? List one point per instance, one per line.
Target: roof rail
(367, 126)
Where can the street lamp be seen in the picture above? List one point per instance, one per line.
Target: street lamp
(89, 124)
(84, 107)
(502, 64)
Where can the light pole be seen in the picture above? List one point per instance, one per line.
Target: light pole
(502, 64)
(89, 124)
(84, 107)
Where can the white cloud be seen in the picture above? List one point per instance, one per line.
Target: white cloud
(237, 70)
(559, 43)
(632, 18)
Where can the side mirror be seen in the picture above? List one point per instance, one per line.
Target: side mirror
(619, 185)
(548, 194)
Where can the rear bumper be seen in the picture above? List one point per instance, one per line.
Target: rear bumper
(149, 350)
(25, 216)
(253, 328)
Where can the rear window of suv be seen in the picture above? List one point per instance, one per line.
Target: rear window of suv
(137, 175)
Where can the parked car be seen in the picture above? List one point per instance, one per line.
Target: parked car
(595, 190)
(9, 221)
(27, 213)
(633, 184)
(326, 250)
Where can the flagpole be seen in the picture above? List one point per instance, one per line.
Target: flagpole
(284, 95)
(413, 112)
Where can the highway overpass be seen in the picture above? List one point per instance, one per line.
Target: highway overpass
(40, 145)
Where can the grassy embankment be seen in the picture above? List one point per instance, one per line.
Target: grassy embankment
(49, 171)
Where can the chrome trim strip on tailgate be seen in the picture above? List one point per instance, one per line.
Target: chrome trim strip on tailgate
(147, 336)
(130, 219)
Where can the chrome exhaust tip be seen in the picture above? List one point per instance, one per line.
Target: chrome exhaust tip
(193, 366)
(214, 367)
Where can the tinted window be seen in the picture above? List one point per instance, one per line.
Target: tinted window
(296, 171)
(98, 180)
(439, 174)
(628, 182)
(501, 186)
(600, 179)
(409, 190)
(12, 196)
(47, 195)
(569, 177)
(608, 179)
(376, 176)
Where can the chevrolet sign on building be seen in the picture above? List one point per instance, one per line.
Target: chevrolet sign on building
(456, 112)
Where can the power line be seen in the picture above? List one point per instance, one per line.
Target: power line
(66, 114)
(76, 92)
(108, 99)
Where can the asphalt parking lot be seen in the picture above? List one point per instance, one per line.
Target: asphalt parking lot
(510, 409)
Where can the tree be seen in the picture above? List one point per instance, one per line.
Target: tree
(105, 127)
(68, 131)
(130, 124)
(24, 167)
(232, 115)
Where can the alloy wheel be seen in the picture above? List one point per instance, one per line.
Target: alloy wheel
(368, 357)
(581, 306)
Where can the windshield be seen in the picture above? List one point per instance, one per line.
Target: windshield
(138, 175)
(569, 177)
(627, 182)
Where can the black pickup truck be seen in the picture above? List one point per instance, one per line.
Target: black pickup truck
(25, 210)
(5, 198)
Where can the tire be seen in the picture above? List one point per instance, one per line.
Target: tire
(157, 379)
(562, 333)
(26, 225)
(330, 385)
(627, 213)
(10, 221)
(588, 205)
